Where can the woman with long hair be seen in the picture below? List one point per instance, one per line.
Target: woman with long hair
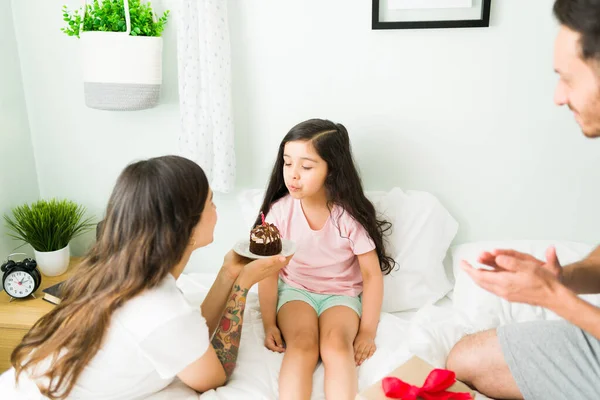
(123, 329)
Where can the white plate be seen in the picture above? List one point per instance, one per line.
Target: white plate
(243, 249)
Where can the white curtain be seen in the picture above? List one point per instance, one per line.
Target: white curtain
(204, 59)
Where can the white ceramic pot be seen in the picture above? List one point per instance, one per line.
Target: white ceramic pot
(53, 263)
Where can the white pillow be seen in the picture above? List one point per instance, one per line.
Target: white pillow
(422, 230)
(478, 305)
(250, 201)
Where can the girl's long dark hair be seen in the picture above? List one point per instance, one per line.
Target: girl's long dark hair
(343, 184)
(149, 220)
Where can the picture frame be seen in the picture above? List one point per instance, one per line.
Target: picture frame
(430, 14)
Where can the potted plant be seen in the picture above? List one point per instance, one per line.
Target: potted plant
(121, 52)
(48, 226)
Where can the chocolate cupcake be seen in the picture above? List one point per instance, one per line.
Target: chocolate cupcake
(265, 240)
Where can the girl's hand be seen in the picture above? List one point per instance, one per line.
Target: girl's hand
(364, 347)
(273, 340)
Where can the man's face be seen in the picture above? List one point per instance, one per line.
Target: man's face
(578, 86)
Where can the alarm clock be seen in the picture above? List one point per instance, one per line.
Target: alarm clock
(20, 278)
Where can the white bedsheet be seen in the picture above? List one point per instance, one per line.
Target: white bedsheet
(257, 371)
(428, 332)
(409, 314)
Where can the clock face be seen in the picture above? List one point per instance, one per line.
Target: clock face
(19, 284)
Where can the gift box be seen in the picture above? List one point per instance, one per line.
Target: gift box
(413, 372)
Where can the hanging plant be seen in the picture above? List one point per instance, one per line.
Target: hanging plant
(109, 16)
(121, 53)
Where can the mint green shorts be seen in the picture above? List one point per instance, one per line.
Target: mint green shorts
(320, 302)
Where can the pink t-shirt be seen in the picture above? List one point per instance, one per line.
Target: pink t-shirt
(325, 261)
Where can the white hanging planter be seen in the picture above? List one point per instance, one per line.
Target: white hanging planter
(53, 263)
(121, 72)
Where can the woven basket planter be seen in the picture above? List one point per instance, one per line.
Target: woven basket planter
(121, 72)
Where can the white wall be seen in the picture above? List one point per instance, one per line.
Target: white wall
(466, 114)
(80, 151)
(18, 180)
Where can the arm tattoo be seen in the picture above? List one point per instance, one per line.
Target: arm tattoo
(226, 340)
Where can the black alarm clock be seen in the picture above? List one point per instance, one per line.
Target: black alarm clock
(20, 278)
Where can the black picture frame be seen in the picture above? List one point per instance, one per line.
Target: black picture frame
(482, 22)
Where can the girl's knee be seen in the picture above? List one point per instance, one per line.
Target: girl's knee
(335, 345)
(304, 341)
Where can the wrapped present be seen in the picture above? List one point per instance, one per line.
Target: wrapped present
(416, 379)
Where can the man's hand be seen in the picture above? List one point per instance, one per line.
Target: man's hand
(552, 264)
(518, 277)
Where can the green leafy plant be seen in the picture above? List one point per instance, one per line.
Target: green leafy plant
(48, 225)
(109, 16)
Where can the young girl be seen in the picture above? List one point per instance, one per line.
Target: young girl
(327, 300)
(123, 329)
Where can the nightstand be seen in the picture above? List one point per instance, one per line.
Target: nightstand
(18, 316)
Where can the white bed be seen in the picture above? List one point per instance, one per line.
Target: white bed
(257, 371)
(427, 306)
(419, 244)
(256, 374)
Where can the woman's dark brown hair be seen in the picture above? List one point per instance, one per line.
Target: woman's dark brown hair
(149, 220)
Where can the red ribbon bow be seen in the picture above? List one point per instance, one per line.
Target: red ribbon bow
(434, 387)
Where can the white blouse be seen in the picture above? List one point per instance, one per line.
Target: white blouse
(152, 338)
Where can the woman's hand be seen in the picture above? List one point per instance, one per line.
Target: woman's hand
(273, 339)
(233, 264)
(258, 270)
(364, 347)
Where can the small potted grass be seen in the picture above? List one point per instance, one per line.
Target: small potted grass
(49, 226)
